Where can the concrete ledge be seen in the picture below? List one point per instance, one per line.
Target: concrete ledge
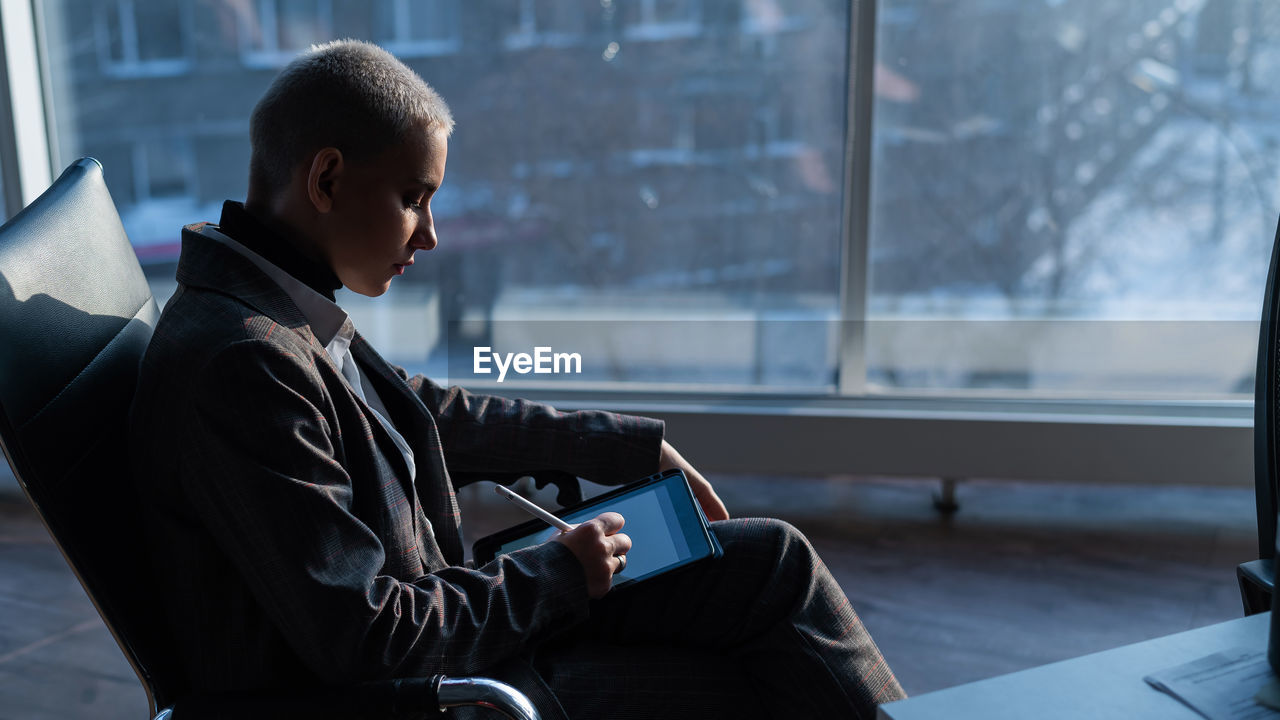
(1146, 444)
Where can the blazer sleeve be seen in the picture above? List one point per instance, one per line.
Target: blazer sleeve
(489, 433)
(262, 470)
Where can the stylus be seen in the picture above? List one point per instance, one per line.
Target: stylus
(532, 509)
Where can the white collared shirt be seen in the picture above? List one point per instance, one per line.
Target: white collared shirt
(333, 328)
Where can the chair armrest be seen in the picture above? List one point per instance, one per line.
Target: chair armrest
(455, 692)
(568, 488)
(386, 698)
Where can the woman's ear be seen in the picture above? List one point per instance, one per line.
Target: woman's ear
(326, 167)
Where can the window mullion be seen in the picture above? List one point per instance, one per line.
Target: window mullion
(855, 259)
(28, 168)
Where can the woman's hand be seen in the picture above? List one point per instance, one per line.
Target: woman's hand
(702, 490)
(598, 546)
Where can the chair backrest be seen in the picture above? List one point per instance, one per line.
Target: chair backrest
(76, 315)
(1266, 408)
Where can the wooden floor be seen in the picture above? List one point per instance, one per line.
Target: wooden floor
(1023, 575)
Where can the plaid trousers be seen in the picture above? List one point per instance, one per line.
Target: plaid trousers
(764, 631)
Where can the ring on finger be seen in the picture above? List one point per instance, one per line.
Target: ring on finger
(622, 564)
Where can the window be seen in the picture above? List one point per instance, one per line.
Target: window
(555, 23)
(663, 19)
(163, 168)
(142, 38)
(640, 208)
(1070, 198)
(664, 134)
(772, 132)
(764, 21)
(274, 31)
(1066, 199)
(411, 28)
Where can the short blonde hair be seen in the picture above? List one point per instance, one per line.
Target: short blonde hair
(347, 94)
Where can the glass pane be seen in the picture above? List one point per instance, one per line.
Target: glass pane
(669, 208)
(1072, 196)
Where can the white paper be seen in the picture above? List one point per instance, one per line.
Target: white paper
(1220, 686)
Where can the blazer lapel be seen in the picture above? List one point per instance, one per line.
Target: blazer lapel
(415, 423)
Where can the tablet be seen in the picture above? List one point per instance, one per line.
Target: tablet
(665, 523)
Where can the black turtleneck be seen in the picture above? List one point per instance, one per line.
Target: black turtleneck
(240, 225)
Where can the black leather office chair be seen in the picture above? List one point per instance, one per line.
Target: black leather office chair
(1257, 578)
(76, 315)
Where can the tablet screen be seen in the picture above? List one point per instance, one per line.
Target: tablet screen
(664, 525)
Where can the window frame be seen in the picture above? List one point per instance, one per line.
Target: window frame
(26, 126)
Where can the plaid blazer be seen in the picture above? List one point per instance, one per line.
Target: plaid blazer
(292, 547)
